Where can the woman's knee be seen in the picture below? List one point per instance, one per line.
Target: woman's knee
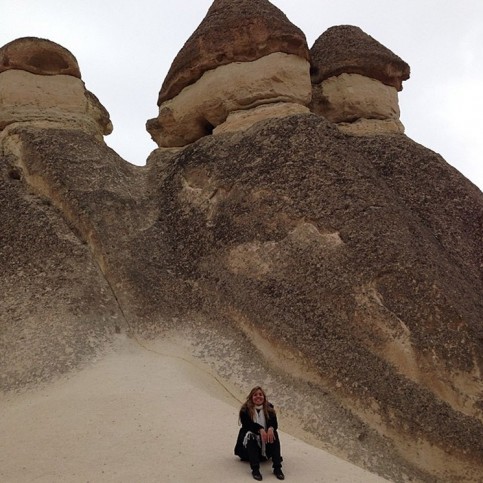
(252, 444)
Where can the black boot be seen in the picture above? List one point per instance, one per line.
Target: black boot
(277, 471)
(256, 474)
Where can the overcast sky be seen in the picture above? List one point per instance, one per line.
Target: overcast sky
(125, 48)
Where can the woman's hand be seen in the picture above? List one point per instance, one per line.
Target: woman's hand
(270, 433)
(267, 436)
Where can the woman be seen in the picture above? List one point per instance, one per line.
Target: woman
(258, 438)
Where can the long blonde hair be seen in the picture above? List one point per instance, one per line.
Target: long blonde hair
(249, 407)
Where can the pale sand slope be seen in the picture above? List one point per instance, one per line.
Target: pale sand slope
(141, 416)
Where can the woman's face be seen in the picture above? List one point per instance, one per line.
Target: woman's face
(258, 398)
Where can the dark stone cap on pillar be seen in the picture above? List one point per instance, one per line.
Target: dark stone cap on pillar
(232, 31)
(348, 49)
(38, 56)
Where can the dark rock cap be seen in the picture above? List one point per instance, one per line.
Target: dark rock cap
(348, 49)
(232, 31)
(38, 56)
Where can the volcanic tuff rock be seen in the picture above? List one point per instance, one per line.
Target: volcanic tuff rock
(355, 81)
(40, 84)
(371, 292)
(345, 273)
(244, 54)
(331, 247)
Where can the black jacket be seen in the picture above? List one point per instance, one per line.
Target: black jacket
(247, 424)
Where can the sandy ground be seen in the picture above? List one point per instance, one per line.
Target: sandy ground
(142, 415)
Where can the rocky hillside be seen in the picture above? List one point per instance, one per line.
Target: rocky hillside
(285, 229)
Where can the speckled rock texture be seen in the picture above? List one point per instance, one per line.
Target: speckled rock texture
(56, 309)
(348, 49)
(232, 31)
(349, 268)
(363, 256)
(38, 56)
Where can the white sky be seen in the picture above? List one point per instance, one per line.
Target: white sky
(125, 48)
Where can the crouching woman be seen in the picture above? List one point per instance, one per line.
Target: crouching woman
(258, 438)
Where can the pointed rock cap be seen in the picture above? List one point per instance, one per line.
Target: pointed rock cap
(232, 31)
(348, 49)
(38, 56)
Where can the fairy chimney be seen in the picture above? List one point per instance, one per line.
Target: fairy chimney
(40, 84)
(356, 80)
(245, 62)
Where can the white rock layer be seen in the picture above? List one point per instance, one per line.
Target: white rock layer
(54, 100)
(243, 119)
(358, 104)
(201, 107)
(369, 127)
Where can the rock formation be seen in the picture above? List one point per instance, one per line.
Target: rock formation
(245, 62)
(355, 81)
(343, 272)
(40, 83)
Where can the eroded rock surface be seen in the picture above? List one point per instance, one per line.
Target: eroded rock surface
(311, 240)
(350, 268)
(350, 97)
(57, 310)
